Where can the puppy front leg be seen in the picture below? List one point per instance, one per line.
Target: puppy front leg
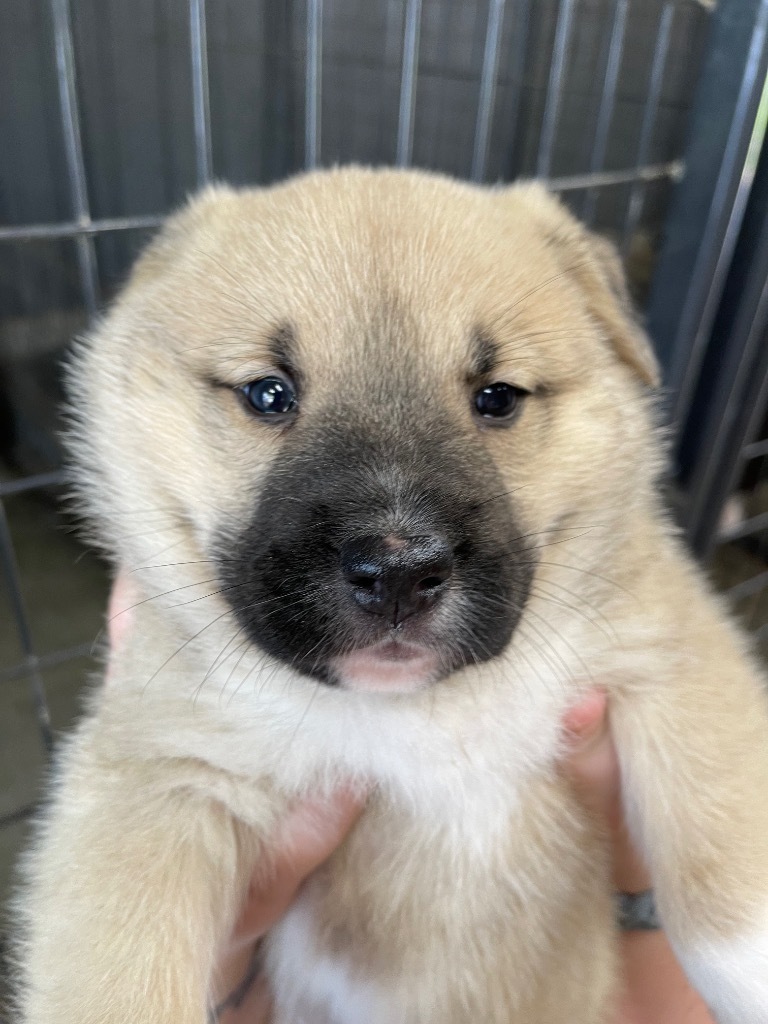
(131, 891)
(695, 769)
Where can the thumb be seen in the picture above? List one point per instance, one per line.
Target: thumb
(313, 829)
(122, 600)
(306, 837)
(590, 762)
(592, 766)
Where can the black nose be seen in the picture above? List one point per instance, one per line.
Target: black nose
(396, 576)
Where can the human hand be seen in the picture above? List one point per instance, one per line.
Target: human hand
(306, 837)
(655, 990)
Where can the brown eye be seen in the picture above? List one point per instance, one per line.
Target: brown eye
(498, 401)
(270, 396)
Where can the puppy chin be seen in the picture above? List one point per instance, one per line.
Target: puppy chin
(387, 667)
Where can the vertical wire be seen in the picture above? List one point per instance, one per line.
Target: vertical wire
(201, 106)
(607, 103)
(487, 89)
(73, 149)
(701, 490)
(313, 85)
(696, 319)
(523, 8)
(11, 572)
(408, 83)
(554, 89)
(655, 82)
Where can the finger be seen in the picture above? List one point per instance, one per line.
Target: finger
(591, 763)
(314, 828)
(307, 837)
(254, 1009)
(121, 600)
(592, 766)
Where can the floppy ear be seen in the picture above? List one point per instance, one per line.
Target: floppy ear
(595, 264)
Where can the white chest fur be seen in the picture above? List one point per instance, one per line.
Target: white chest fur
(314, 988)
(460, 747)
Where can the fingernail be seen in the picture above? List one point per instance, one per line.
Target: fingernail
(584, 725)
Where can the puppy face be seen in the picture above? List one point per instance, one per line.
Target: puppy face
(363, 404)
(382, 549)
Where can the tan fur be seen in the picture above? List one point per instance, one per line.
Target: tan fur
(474, 888)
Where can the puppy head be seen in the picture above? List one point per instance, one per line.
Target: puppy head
(358, 406)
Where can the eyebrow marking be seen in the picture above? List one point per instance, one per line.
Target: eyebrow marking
(484, 355)
(282, 347)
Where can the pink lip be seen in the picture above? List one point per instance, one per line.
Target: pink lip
(391, 666)
(395, 650)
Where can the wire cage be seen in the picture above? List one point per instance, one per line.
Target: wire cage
(112, 113)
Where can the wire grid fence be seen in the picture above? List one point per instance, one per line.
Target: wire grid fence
(727, 489)
(505, 113)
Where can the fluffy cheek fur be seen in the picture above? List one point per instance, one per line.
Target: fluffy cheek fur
(183, 470)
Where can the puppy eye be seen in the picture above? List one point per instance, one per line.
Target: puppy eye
(270, 396)
(498, 401)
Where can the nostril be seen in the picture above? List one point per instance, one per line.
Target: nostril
(395, 576)
(361, 582)
(430, 583)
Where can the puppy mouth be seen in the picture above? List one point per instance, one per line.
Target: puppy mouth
(389, 666)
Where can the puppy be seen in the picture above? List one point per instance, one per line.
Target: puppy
(378, 449)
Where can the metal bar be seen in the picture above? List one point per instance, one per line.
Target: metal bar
(674, 170)
(71, 229)
(710, 170)
(740, 408)
(738, 371)
(11, 571)
(519, 44)
(45, 661)
(487, 89)
(698, 314)
(751, 586)
(754, 450)
(73, 148)
(201, 105)
(655, 82)
(554, 88)
(756, 417)
(313, 83)
(408, 83)
(31, 483)
(607, 103)
(752, 525)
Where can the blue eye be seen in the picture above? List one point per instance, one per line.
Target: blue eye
(498, 401)
(270, 396)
